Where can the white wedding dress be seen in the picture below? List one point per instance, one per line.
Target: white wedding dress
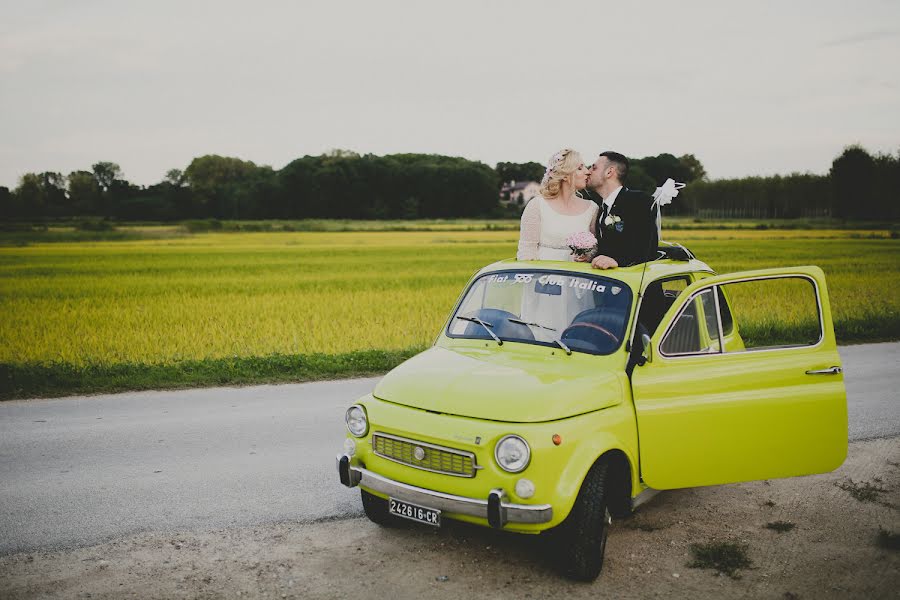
(544, 231)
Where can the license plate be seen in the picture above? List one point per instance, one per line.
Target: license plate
(413, 512)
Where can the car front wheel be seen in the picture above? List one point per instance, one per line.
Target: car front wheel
(582, 536)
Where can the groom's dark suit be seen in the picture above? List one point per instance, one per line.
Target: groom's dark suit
(636, 242)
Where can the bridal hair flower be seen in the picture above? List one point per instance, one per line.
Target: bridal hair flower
(560, 168)
(555, 161)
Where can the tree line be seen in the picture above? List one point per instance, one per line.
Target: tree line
(343, 184)
(339, 184)
(859, 186)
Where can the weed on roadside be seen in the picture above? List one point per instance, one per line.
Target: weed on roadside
(888, 540)
(780, 526)
(864, 491)
(769, 503)
(725, 557)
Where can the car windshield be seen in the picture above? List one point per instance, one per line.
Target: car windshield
(581, 313)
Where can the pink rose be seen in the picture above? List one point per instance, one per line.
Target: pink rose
(581, 243)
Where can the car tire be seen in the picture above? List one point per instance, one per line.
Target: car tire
(376, 510)
(581, 541)
(618, 489)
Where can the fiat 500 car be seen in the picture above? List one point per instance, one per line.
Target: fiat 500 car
(557, 397)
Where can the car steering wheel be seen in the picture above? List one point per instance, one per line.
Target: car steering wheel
(599, 328)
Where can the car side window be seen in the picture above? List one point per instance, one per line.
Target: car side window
(756, 314)
(695, 329)
(673, 287)
(658, 298)
(725, 311)
(777, 312)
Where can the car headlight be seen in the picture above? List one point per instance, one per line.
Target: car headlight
(512, 453)
(356, 420)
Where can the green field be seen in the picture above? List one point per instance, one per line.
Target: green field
(198, 309)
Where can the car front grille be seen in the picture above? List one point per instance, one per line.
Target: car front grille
(437, 459)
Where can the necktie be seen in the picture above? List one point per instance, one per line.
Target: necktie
(603, 216)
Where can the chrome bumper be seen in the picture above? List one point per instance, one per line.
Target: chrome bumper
(494, 508)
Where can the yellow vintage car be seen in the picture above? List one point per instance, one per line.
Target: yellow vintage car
(557, 397)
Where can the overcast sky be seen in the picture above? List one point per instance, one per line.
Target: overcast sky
(750, 88)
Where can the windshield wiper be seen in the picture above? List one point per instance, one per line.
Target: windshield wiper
(556, 341)
(560, 343)
(521, 322)
(487, 327)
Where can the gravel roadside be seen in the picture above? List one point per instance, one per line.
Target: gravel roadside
(832, 551)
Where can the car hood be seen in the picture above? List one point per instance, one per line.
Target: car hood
(504, 385)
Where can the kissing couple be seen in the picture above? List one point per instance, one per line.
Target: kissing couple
(625, 227)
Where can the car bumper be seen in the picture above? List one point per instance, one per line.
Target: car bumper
(494, 508)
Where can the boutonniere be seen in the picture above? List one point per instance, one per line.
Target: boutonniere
(615, 222)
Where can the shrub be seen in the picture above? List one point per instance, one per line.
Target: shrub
(94, 225)
(201, 225)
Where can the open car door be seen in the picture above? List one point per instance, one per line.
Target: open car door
(743, 382)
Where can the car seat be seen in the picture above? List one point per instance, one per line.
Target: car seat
(596, 330)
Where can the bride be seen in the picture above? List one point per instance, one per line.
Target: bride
(558, 211)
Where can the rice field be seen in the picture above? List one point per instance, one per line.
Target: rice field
(164, 300)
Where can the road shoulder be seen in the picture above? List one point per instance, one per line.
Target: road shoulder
(832, 551)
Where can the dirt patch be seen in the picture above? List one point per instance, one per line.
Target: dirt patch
(839, 547)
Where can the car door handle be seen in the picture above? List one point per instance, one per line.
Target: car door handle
(830, 371)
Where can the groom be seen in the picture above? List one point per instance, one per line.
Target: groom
(626, 225)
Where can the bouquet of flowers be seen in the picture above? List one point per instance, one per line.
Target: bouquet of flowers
(581, 243)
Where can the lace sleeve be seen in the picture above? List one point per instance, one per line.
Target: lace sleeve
(530, 231)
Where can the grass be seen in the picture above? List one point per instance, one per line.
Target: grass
(71, 234)
(681, 223)
(92, 229)
(725, 558)
(23, 234)
(166, 308)
(52, 379)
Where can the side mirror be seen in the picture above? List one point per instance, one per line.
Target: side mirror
(647, 351)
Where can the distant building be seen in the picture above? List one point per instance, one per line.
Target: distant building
(519, 192)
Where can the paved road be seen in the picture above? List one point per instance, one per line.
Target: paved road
(77, 471)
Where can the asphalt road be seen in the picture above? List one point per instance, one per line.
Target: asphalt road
(81, 470)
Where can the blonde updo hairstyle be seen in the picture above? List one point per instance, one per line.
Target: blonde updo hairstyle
(560, 168)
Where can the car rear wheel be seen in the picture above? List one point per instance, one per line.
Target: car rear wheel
(376, 510)
(582, 536)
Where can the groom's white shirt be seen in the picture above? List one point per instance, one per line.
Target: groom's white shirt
(608, 201)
